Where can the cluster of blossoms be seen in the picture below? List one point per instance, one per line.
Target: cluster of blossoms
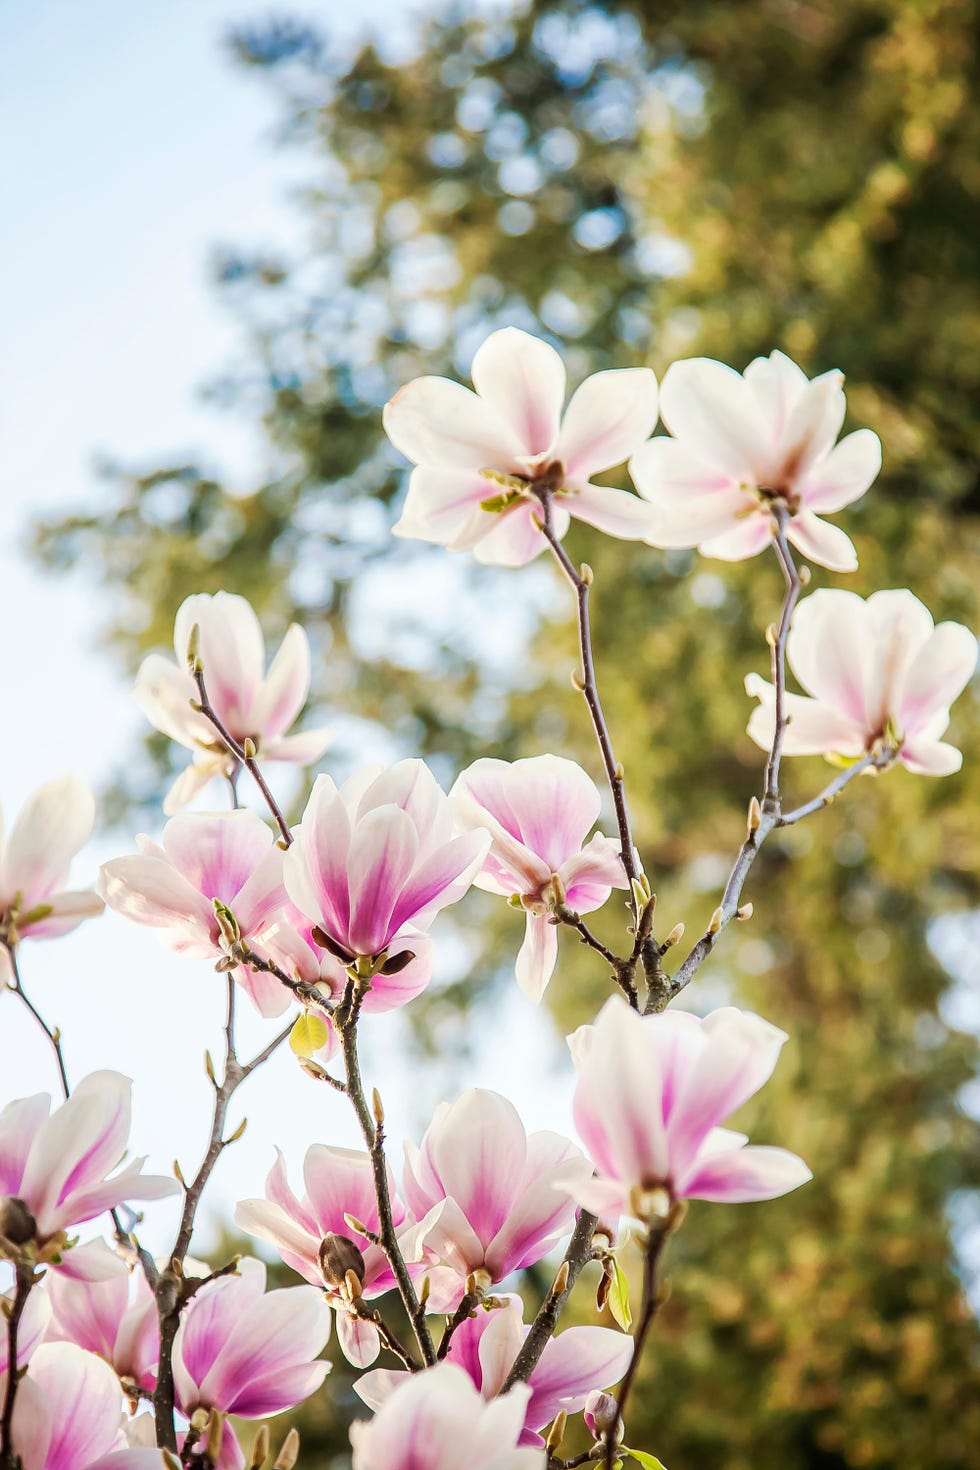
(109, 1355)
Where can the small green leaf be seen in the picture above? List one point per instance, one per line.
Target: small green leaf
(649, 1462)
(618, 1300)
(308, 1034)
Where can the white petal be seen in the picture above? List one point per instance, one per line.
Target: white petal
(607, 420)
(524, 379)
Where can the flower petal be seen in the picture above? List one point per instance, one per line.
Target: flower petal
(607, 420)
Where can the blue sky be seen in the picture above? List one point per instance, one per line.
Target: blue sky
(133, 147)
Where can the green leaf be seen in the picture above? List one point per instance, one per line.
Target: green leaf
(618, 1300)
(308, 1035)
(649, 1462)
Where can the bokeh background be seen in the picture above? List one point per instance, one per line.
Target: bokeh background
(295, 212)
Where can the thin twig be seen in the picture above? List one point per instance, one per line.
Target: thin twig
(171, 1290)
(372, 1131)
(649, 1303)
(614, 771)
(24, 1281)
(241, 755)
(577, 1256)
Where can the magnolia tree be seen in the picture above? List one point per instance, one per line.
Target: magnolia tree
(120, 1348)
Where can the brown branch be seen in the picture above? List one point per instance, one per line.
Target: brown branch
(24, 1282)
(577, 1256)
(649, 1304)
(244, 757)
(372, 1131)
(581, 582)
(171, 1290)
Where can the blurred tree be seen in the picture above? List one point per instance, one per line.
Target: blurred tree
(647, 181)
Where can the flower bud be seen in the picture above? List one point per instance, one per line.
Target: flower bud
(17, 1224)
(337, 1255)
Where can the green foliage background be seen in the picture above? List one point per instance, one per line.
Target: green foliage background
(643, 182)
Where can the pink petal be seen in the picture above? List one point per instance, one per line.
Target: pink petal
(818, 541)
(164, 693)
(607, 420)
(54, 823)
(83, 1399)
(149, 890)
(739, 1054)
(516, 538)
(937, 674)
(444, 506)
(537, 956)
(931, 757)
(830, 650)
(574, 1363)
(750, 535)
(524, 380)
(67, 911)
(814, 728)
(283, 691)
(745, 1174)
(710, 406)
(843, 475)
(217, 851)
(359, 1340)
(478, 1149)
(437, 422)
(615, 512)
(231, 649)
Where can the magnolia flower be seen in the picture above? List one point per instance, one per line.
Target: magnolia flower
(882, 678)
(247, 1351)
(68, 1415)
(98, 1315)
(291, 944)
(339, 1182)
(482, 457)
(437, 1416)
(251, 702)
(740, 443)
(54, 823)
(484, 1191)
(378, 859)
(650, 1092)
(571, 1366)
(210, 865)
(538, 813)
(55, 1168)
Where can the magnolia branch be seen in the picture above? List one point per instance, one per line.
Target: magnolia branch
(171, 1290)
(372, 1131)
(243, 753)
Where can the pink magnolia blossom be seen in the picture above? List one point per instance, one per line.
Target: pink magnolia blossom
(247, 1351)
(480, 455)
(574, 1363)
(375, 861)
(229, 857)
(54, 824)
(742, 440)
(250, 701)
(339, 1182)
(483, 1191)
(291, 944)
(538, 813)
(437, 1417)
(105, 1316)
(58, 1165)
(68, 1415)
(651, 1091)
(881, 676)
